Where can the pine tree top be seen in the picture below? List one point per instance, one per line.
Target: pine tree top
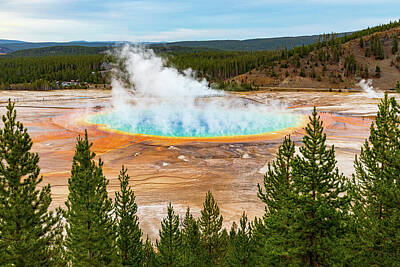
(210, 221)
(315, 168)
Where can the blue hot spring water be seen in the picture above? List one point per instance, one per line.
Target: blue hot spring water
(196, 122)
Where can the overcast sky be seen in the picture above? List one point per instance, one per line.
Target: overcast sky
(174, 20)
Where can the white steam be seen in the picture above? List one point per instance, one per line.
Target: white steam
(366, 85)
(153, 80)
(164, 99)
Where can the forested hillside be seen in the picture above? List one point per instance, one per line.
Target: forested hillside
(82, 50)
(237, 45)
(58, 51)
(335, 62)
(43, 72)
(332, 61)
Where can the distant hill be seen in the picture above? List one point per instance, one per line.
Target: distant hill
(250, 44)
(58, 51)
(26, 45)
(84, 50)
(5, 41)
(228, 45)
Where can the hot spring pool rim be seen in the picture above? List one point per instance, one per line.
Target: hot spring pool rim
(301, 122)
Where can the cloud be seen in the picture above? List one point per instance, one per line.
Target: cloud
(14, 26)
(315, 2)
(160, 20)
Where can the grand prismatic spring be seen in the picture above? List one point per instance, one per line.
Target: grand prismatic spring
(160, 101)
(228, 123)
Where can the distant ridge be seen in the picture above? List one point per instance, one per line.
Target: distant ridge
(86, 50)
(228, 45)
(5, 41)
(15, 46)
(257, 44)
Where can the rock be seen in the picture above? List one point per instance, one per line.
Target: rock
(246, 156)
(182, 157)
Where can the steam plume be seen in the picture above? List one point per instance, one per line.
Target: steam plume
(366, 85)
(151, 98)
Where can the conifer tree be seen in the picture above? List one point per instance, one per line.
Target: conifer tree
(278, 182)
(377, 48)
(210, 224)
(395, 45)
(90, 239)
(28, 230)
(278, 246)
(258, 244)
(58, 252)
(377, 72)
(302, 72)
(240, 249)
(321, 205)
(193, 253)
(129, 235)
(149, 256)
(170, 245)
(377, 190)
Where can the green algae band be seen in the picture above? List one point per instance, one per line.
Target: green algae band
(196, 122)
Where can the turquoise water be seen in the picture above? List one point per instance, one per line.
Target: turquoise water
(196, 122)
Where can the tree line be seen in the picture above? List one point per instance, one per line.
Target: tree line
(34, 71)
(314, 215)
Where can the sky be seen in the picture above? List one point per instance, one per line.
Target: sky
(176, 20)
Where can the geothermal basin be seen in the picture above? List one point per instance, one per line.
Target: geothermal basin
(181, 170)
(154, 99)
(180, 138)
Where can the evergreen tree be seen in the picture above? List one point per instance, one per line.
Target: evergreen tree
(210, 224)
(28, 230)
(302, 72)
(170, 245)
(149, 256)
(377, 190)
(313, 74)
(321, 206)
(377, 48)
(90, 239)
(377, 72)
(361, 42)
(278, 246)
(350, 65)
(258, 244)
(129, 235)
(58, 252)
(278, 181)
(367, 52)
(397, 86)
(240, 249)
(395, 45)
(366, 72)
(193, 254)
